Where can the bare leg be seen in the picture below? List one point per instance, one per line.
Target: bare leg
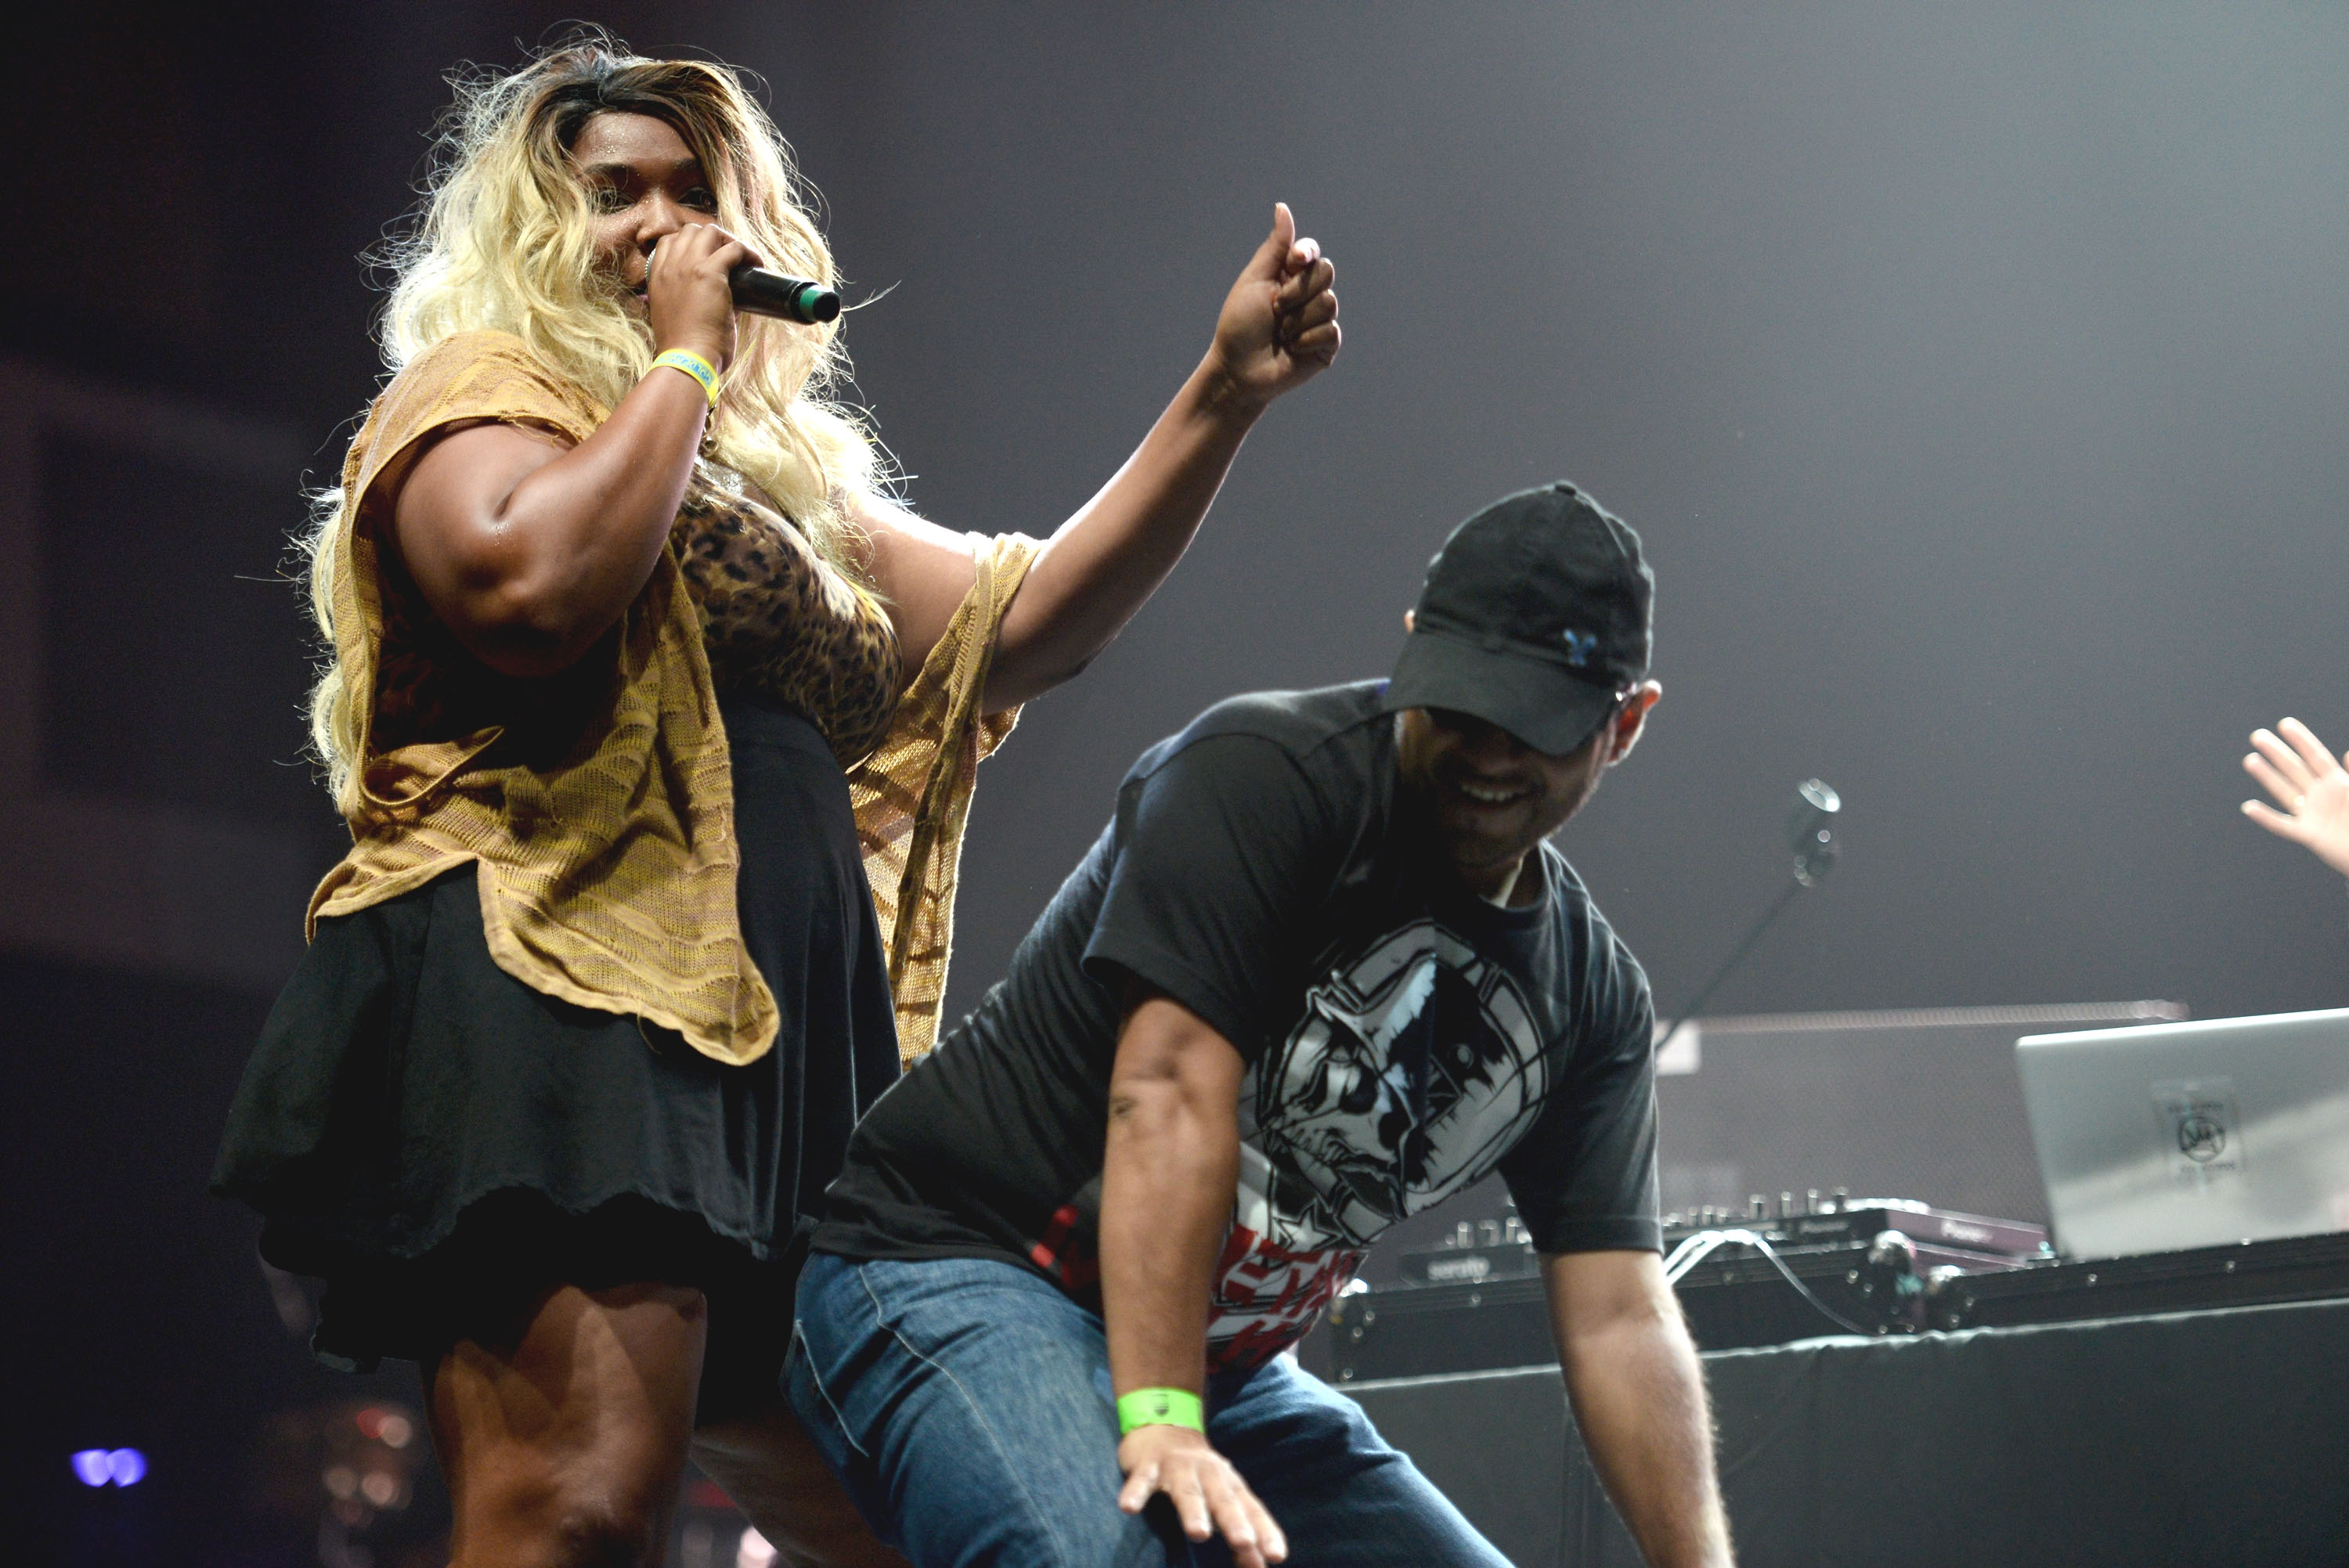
(564, 1443)
(772, 1471)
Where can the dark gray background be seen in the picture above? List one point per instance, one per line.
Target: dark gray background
(1974, 375)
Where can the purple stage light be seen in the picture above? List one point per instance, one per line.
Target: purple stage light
(110, 1467)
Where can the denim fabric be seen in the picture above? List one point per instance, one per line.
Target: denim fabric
(967, 1404)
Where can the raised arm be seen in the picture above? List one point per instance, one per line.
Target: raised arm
(1639, 1396)
(2312, 788)
(1167, 1178)
(1278, 330)
(529, 551)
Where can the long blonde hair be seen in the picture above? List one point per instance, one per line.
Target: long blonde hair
(501, 241)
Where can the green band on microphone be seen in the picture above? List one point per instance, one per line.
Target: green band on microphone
(818, 304)
(1160, 1407)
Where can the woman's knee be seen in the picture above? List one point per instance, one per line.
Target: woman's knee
(559, 1511)
(564, 1445)
(603, 1530)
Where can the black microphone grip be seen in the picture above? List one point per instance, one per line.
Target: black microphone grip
(762, 293)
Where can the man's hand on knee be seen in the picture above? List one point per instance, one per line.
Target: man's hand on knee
(1209, 1495)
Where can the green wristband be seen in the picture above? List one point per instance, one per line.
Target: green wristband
(1160, 1407)
(693, 365)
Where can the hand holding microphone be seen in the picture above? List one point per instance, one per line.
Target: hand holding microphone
(695, 280)
(748, 285)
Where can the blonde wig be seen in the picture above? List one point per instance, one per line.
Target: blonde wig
(502, 242)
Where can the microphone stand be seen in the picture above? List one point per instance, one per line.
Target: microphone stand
(1810, 833)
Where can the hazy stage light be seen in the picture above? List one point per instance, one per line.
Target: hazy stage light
(110, 1467)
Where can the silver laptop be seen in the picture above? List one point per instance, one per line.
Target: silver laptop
(2191, 1135)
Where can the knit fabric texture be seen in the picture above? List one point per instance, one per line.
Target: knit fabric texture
(911, 796)
(608, 874)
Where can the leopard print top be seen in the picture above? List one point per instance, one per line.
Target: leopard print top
(779, 622)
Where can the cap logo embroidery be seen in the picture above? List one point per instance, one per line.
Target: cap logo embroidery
(1579, 645)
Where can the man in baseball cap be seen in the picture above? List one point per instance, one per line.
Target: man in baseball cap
(1529, 643)
(1320, 972)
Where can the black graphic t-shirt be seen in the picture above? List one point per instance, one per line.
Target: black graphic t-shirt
(1404, 1037)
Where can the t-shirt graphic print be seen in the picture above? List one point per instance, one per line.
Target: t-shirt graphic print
(1417, 1065)
(1402, 1037)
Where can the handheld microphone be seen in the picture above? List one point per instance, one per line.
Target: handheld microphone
(762, 293)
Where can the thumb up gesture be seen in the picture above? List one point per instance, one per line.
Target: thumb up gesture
(1279, 328)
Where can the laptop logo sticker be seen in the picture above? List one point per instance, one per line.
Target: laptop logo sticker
(2201, 1128)
(2200, 1138)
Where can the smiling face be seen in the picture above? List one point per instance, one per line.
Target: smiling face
(644, 183)
(1491, 796)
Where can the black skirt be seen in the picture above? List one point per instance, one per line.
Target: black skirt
(431, 1137)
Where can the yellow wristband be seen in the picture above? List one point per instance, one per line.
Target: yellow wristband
(693, 365)
(1160, 1407)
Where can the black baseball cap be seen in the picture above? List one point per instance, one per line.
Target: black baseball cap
(1534, 618)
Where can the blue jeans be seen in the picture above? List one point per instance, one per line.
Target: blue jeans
(966, 1403)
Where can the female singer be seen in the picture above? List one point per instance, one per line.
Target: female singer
(613, 600)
